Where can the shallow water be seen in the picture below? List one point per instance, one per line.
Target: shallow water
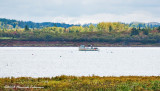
(54, 61)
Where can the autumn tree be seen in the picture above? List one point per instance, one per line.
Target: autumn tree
(102, 26)
(91, 27)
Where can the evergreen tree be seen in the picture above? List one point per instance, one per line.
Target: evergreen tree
(26, 28)
(158, 29)
(134, 31)
(55, 25)
(145, 31)
(110, 28)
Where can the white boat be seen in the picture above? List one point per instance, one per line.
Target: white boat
(91, 48)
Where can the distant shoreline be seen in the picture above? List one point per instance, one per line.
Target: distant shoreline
(20, 43)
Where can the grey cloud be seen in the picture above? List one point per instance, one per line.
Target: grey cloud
(75, 8)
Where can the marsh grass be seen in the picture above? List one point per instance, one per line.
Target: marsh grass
(85, 83)
(6, 37)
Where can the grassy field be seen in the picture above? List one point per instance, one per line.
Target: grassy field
(6, 38)
(84, 83)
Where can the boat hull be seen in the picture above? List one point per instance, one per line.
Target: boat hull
(83, 48)
(88, 50)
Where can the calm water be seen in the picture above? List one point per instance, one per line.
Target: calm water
(54, 61)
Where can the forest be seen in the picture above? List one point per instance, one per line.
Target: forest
(111, 32)
(9, 24)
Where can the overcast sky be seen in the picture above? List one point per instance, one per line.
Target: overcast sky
(81, 11)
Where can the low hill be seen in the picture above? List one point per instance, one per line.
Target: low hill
(8, 23)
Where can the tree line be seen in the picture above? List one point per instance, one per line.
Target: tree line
(103, 32)
(11, 24)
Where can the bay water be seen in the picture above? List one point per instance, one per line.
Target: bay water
(56, 61)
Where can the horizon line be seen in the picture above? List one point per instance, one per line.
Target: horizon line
(77, 23)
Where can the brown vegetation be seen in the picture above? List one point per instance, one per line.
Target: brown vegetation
(88, 83)
(18, 43)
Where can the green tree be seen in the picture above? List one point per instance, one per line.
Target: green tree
(110, 28)
(158, 29)
(134, 31)
(26, 28)
(145, 31)
(55, 25)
